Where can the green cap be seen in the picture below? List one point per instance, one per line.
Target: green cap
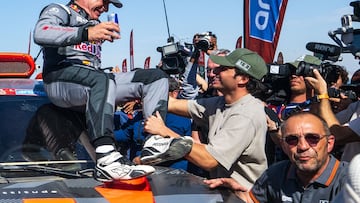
(306, 58)
(245, 60)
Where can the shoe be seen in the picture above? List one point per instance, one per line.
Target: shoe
(113, 166)
(158, 149)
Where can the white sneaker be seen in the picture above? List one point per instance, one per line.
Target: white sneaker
(158, 149)
(113, 166)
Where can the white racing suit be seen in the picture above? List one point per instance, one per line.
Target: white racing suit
(73, 77)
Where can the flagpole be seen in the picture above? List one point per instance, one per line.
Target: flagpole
(131, 51)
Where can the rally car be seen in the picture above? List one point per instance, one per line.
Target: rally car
(30, 172)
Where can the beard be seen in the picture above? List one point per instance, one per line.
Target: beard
(297, 90)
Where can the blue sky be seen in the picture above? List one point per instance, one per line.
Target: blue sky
(305, 21)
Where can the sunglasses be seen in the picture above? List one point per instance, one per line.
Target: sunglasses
(208, 70)
(219, 69)
(311, 138)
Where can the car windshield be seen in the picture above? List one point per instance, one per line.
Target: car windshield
(35, 135)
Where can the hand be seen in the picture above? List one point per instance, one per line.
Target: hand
(240, 191)
(136, 160)
(317, 82)
(104, 31)
(214, 47)
(339, 104)
(116, 69)
(155, 125)
(272, 125)
(195, 55)
(225, 182)
(129, 107)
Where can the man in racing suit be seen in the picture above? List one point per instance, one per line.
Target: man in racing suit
(71, 38)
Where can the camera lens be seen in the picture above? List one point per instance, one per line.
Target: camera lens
(203, 45)
(306, 69)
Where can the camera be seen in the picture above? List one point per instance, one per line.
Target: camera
(306, 69)
(277, 83)
(286, 70)
(204, 42)
(350, 37)
(330, 72)
(278, 71)
(277, 80)
(174, 57)
(335, 93)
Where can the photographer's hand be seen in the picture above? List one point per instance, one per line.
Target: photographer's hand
(214, 47)
(195, 55)
(318, 83)
(104, 31)
(324, 108)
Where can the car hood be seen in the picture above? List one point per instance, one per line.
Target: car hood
(164, 185)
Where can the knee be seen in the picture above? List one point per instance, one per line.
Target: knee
(149, 75)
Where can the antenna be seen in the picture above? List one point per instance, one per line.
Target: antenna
(167, 23)
(29, 45)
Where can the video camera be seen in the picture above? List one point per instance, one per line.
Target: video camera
(278, 77)
(350, 37)
(174, 57)
(329, 72)
(335, 93)
(204, 41)
(277, 84)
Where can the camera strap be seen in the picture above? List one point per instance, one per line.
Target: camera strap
(304, 106)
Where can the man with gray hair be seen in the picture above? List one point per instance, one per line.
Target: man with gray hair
(311, 174)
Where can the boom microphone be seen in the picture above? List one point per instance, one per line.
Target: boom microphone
(328, 50)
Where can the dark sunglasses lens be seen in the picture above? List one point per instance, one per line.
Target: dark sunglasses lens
(291, 140)
(312, 139)
(219, 69)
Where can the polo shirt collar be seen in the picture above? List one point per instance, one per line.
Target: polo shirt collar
(326, 177)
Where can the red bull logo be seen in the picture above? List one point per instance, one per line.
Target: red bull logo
(89, 47)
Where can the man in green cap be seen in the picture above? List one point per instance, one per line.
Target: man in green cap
(236, 123)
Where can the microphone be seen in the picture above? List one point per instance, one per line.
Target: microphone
(324, 49)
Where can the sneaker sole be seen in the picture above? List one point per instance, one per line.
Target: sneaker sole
(177, 150)
(101, 176)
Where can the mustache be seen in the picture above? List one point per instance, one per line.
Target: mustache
(305, 154)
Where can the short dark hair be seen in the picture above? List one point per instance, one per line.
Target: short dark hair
(173, 84)
(254, 86)
(355, 79)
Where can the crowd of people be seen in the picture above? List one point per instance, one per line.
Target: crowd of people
(297, 150)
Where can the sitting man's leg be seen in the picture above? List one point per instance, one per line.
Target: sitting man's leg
(78, 87)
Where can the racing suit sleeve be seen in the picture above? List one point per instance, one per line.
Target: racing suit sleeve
(53, 29)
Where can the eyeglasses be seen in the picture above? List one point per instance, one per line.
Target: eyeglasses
(220, 69)
(311, 138)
